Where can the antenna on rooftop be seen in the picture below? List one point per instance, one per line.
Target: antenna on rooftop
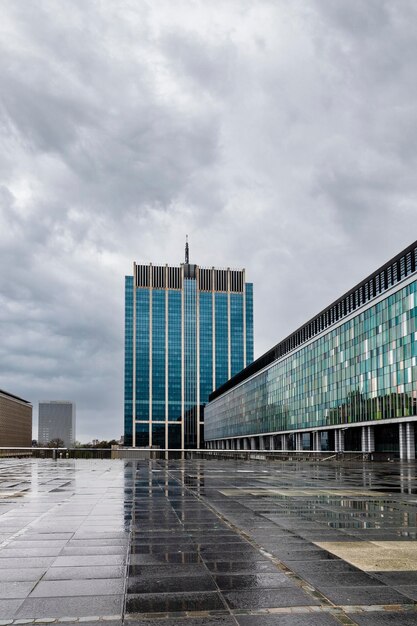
(187, 251)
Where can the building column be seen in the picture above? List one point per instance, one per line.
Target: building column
(410, 441)
(252, 443)
(284, 442)
(401, 434)
(261, 442)
(339, 441)
(298, 442)
(245, 443)
(271, 442)
(364, 440)
(371, 439)
(237, 444)
(317, 441)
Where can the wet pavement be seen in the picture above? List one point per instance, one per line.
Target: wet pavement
(207, 543)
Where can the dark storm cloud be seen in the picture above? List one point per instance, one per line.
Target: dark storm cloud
(280, 136)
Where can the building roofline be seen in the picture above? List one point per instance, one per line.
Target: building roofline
(14, 397)
(200, 267)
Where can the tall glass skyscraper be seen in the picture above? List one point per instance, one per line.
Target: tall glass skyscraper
(188, 330)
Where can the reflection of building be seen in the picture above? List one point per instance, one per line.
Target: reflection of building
(345, 380)
(187, 330)
(15, 421)
(57, 421)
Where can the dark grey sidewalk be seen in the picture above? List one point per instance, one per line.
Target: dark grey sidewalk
(207, 542)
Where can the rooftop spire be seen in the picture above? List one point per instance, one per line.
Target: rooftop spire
(187, 252)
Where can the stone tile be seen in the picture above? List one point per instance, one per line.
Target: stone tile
(99, 534)
(45, 537)
(72, 550)
(172, 584)
(85, 621)
(172, 557)
(410, 591)
(9, 590)
(254, 581)
(244, 567)
(21, 575)
(8, 608)
(28, 543)
(164, 570)
(214, 620)
(97, 542)
(397, 578)
(384, 619)
(268, 598)
(62, 588)
(18, 563)
(99, 560)
(348, 596)
(84, 573)
(318, 619)
(375, 556)
(340, 579)
(12, 552)
(174, 602)
(71, 607)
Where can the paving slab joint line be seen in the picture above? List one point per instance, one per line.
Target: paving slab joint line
(127, 565)
(379, 608)
(132, 617)
(345, 620)
(60, 620)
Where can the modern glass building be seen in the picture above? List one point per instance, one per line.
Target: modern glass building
(345, 380)
(188, 329)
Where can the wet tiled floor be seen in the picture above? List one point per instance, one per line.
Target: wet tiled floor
(207, 543)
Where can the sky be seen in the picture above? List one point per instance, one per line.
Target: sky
(280, 136)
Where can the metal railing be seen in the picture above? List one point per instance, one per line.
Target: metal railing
(122, 453)
(56, 453)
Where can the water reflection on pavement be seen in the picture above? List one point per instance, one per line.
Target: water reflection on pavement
(208, 542)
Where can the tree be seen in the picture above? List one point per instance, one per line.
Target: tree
(55, 443)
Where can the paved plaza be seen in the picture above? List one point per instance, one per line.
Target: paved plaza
(208, 543)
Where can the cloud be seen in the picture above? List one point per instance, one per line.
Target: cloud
(280, 136)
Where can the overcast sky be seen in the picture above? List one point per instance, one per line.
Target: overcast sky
(280, 135)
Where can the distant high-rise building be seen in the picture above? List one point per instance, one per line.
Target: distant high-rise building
(15, 421)
(57, 421)
(188, 329)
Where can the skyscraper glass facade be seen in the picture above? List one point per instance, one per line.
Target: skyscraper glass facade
(355, 364)
(187, 330)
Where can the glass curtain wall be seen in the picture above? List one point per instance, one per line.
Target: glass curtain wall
(363, 370)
